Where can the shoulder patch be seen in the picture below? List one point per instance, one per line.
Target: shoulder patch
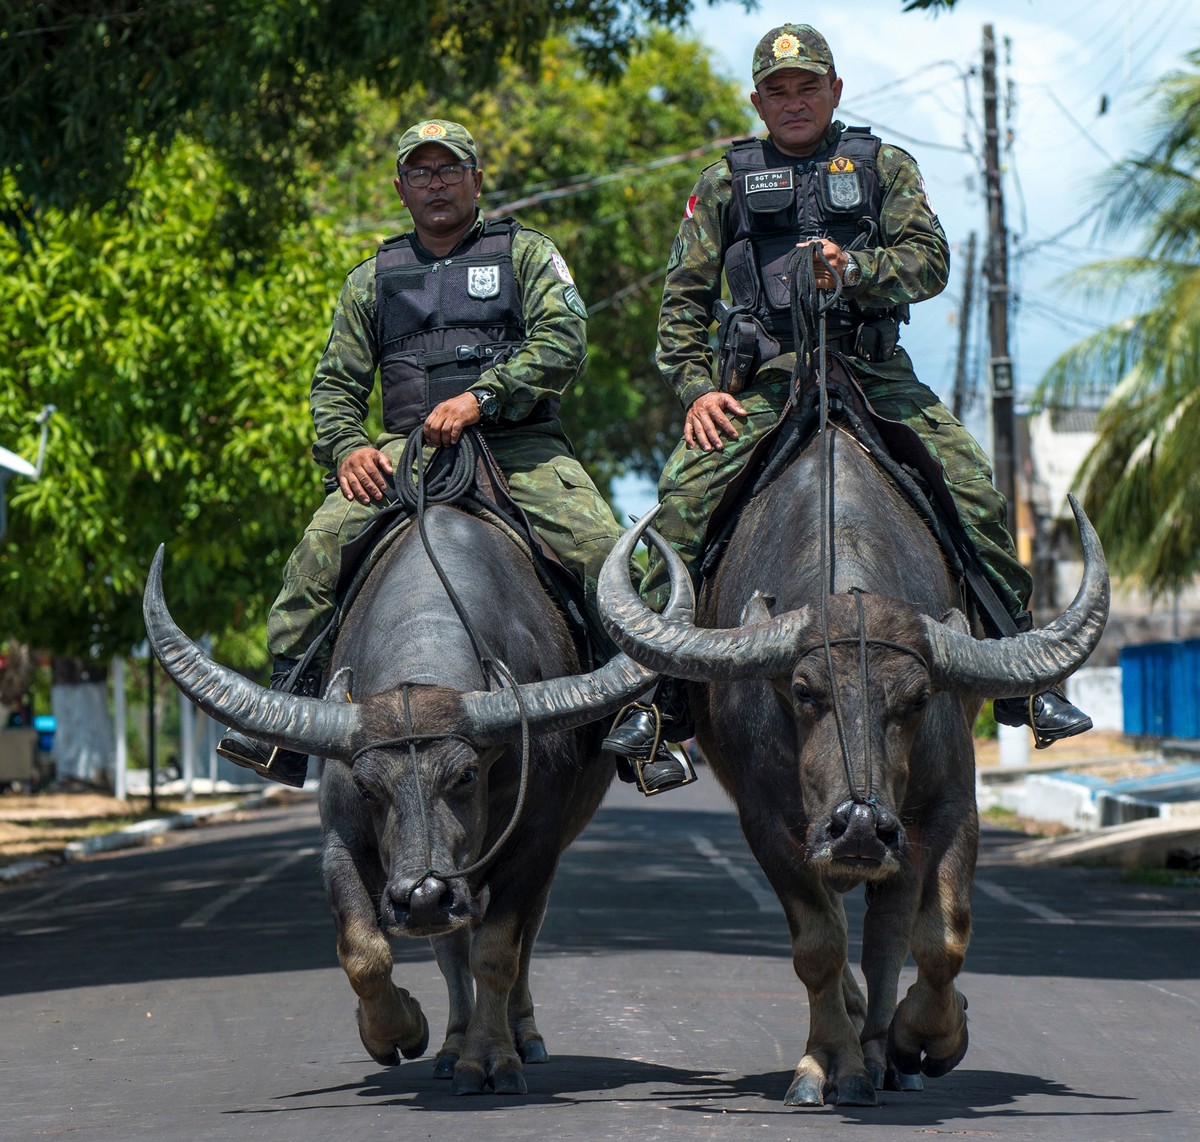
(676, 255)
(574, 302)
(560, 267)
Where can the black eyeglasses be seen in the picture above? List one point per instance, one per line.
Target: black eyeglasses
(450, 173)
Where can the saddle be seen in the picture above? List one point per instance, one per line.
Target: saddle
(898, 451)
(483, 493)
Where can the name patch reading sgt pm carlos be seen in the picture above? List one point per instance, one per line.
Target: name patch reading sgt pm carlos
(844, 188)
(780, 179)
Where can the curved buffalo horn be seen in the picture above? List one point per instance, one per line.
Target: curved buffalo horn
(1028, 663)
(564, 703)
(332, 729)
(308, 725)
(999, 668)
(675, 646)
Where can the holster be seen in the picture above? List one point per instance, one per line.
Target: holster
(876, 341)
(738, 334)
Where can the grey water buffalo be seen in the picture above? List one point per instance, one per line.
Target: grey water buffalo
(837, 710)
(425, 780)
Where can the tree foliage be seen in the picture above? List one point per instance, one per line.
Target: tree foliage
(264, 82)
(93, 88)
(1142, 477)
(178, 376)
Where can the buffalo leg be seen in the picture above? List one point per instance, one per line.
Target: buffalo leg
(390, 1022)
(928, 1033)
(886, 931)
(528, 1039)
(453, 954)
(833, 1060)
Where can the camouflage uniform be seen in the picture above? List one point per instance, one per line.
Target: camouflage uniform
(911, 264)
(543, 475)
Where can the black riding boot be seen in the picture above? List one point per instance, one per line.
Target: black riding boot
(282, 765)
(639, 738)
(1050, 714)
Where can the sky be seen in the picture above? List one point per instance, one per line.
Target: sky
(1075, 75)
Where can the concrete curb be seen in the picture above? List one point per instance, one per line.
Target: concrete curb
(1140, 843)
(133, 836)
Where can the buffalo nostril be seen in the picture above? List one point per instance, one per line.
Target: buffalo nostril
(839, 819)
(887, 826)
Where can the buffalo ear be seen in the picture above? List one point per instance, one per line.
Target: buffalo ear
(956, 621)
(341, 686)
(757, 609)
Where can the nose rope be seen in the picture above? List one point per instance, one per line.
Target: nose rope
(461, 468)
(862, 683)
(808, 308)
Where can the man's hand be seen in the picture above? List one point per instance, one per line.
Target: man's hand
(445, 424)
(834, 255)
(708, 417)
(363, 475)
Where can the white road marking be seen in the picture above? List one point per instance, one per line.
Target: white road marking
(763, 897)
(205, 914)
(1006, 897)
(39, 902)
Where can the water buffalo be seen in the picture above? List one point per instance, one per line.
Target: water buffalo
(426, 779)
(837, 714)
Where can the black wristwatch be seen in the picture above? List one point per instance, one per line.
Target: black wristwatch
(489, 405)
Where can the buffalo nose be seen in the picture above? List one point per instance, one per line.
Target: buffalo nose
(861, 818)
(422, 901)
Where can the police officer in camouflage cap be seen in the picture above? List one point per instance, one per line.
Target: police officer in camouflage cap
(862, 205)
(468, 322)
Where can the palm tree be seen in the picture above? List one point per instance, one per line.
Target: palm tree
(1141, 479)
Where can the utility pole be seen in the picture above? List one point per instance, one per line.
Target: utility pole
(1000, 369)
(964, 330)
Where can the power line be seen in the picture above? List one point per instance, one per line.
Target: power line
(583, 184)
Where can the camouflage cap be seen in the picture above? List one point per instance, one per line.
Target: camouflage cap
(453, 136)
(791, 45)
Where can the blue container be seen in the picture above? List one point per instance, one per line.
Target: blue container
(1160, 688)
(45, 724)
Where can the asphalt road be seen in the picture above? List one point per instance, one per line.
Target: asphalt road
(190, 991)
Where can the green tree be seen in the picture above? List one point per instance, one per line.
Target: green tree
(1141, 479)
(178, 374)
(92, 88)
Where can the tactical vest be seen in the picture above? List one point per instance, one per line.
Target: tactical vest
(834, 194)
(439, 324)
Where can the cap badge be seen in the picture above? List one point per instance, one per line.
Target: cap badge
(786, 46)
(433, 131)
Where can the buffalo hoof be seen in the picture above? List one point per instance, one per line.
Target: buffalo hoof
(806, 1090)
(417, 1047)
(443, 1065)
(912, 1064)
(468, 1079)
(855, 1090)
(508, 1079)
(534, 1051)
(896, 1080)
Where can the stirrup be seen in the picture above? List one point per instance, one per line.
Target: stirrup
(640, 776)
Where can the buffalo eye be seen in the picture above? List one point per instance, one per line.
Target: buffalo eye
(916, 704)
(802, 695)
(467, 778)
(363, 791)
